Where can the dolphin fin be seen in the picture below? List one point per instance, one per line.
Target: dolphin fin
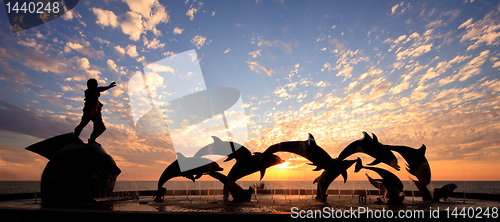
(375, 162)
(366, 136)
(359, 165)
(375, 137)
(262, 173)
(180, 156)
(216, 139)
(310, 140)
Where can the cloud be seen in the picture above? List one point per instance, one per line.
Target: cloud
(20, 81)
(345, 72)
(441, 68)
(70, 45)
(399, 88)
(153, 44)
(4, 54)
(485, 31)
(120, 50)
(160, 68)
(254, 66)
(143, 7)
(255, 53)
(395, 7)
(434, 24)
(178, 30)
(40, 62)
(82, 46)
(28, 121)
(112, 65)
(105, 17)
(193, 10)
(144, 15)
(151, 12)
(472, 68)
(286, 46)
(199, 41)
(132, 25)
(82, 63)
(132, 51)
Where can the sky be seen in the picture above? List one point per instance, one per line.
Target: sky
(413, 73)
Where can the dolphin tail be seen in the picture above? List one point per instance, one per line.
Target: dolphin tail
(359, 165)
(47, 148)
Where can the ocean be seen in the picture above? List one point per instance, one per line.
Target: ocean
(489, 187)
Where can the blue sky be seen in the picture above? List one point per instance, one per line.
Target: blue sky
(413, 73)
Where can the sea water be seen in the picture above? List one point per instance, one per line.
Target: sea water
(491, 187)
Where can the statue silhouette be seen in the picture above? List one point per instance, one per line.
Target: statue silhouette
(92, 110)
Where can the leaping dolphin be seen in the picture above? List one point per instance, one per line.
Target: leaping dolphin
(391, 182)
(307, 149)
(416, 163)
(372, 148)
(173, 170)
(256, 162)
(337, 168)
(224, 148)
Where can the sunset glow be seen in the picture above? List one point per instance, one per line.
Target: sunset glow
(413, 73)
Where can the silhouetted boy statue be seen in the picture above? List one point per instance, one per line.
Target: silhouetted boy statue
(92, 109)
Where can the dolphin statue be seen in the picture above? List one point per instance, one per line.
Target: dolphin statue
(310, 150)
(76, 172)
(444, 192)
(307, 149)
(224, 148)
(416, 163)
(173, 170)
(255, 163)
(391, 182)
(328, 176)
(372, 148)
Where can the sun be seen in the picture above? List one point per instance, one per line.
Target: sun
(284, 165)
